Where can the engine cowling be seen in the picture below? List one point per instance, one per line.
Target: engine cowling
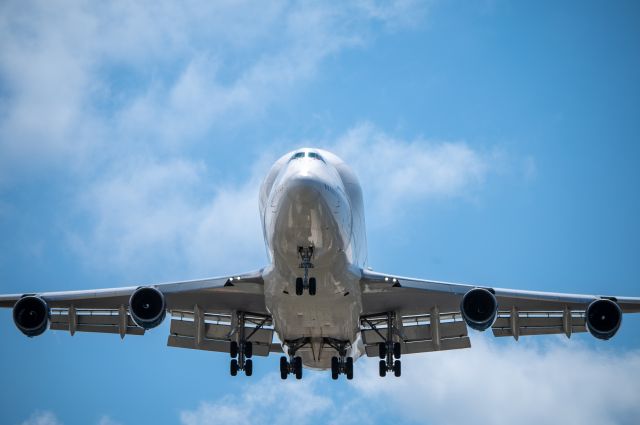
(31, 315)
(603, 318)
(147, 307)
(479, 308)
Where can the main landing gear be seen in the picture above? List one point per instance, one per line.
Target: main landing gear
(294, 364)
(340, 364)
(241, 350)
(388, 350)
(305, 282)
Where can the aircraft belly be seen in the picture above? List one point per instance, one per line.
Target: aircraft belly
(334, 312)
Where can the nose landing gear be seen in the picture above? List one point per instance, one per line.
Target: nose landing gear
(306, 282)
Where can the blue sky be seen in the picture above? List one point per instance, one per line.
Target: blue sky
(496, 142)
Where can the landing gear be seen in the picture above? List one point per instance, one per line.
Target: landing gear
(294, 364)
(241, 350)
(340, 364)
(388, 350)
(305, 253)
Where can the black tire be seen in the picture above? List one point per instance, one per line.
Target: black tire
(299, 286)
(234, 367)
(248, 349)
(284, 367)
(382, 350)
(335, 368)
(397, 350)
(297, 361)
(383, 368)
(248, 367)
(349, 367)
(233, 349)
(312, 286)
(397, 368)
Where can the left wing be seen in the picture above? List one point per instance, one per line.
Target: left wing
(432, 315)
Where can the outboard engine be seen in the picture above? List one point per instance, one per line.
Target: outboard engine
(603, 318)
(31, 315)
(479, 308)
(147, 307)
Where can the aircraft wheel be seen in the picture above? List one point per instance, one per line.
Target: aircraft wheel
(284, 367)
(335, 369)
(233, 349)
(297, 363)
(382, 350)
(312, 286)
(397, 350)
(349, 367)
(248, 367)
(383, 368)
(299, 286)
(248, 349)
(234, 367)
(397, 368)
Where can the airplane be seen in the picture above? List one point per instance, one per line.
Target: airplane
(316, 295)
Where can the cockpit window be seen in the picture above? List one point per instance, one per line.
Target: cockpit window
(315, 156)
(297, 155)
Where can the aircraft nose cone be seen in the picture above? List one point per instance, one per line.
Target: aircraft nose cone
(303, 189)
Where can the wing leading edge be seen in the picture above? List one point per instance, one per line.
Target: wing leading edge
(428, 315)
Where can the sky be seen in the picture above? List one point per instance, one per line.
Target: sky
(496, 143)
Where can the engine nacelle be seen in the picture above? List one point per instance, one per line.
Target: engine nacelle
(147, 307)
(479, 308)
(31, 315)
(603, 318)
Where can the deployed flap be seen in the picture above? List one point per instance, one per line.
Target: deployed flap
(417, 334)
(94, 320)
(214, 332)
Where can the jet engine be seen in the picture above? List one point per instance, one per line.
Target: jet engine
(147, 307)
(603, 318)
(31, 315)
(479, 308)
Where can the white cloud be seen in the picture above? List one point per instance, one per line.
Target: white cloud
(492, 383)
(106, 420)
(525, 383)
(267, 401)
(42, 418)
(172, 216)
(96, 80)
(396, 172)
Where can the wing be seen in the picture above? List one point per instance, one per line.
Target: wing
(428, 314)
(204, 312)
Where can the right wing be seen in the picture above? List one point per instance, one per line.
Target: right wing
(204, 312)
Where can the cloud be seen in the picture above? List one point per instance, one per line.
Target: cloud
(42, 418)
(396, 172)
(526, 383)
(106, 420)
(100, 80)
(273, 401)
(171, 215)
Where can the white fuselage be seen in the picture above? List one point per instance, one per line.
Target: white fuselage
(314, 201)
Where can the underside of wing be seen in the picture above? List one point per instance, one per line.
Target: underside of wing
(430, 315)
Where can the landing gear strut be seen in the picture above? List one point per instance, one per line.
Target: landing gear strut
(340, 364)
(241, 350)
(388, 350)
(305, 253)
(294, 364)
